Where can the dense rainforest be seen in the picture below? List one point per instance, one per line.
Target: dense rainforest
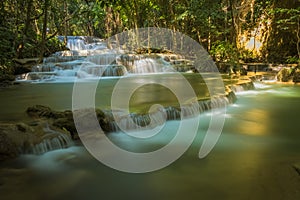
(231, 30)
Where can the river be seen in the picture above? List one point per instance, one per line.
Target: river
(253, 159)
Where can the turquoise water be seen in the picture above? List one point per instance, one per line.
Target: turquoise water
(253, 159)
(58, 96)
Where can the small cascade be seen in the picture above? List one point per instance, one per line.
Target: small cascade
(190, 110)
(83, 42)
(90, 57)
(242, 87)
(104, 70)
(172, 113)
(216, 102)
(76, 44)
(121, 121)
(237, 88)
(103, 59)
(145, 65)
(52, 140)
(115, 70)
(32, 76)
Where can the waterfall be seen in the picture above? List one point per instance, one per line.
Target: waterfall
(145, 65)
(104, 70)
(172, 113)
(76, 44)
(242, 86)
(83, 42)
(132, 121)
(52, 140)
(122, 121)
(90, 57)
(103, 59)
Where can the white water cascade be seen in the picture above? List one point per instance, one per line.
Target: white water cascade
(151, 120)
(90, 57)
(52, 140)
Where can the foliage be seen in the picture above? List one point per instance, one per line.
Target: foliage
(293, 60)
(284, 38)
(6, 46)
(216, 24)
(248, 56)
(225, 52)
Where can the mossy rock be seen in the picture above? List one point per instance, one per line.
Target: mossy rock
(284, 75)
(39, 111)
(296, 77)
(66, 124)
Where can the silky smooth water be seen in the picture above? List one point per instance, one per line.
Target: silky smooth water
(253, 159)
(58, 95)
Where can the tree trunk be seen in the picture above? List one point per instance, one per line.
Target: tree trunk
(65, 23)
(44, 31)
(24, 34)
(298, 39)
(233, 23)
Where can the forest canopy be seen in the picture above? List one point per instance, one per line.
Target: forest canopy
(231, 30)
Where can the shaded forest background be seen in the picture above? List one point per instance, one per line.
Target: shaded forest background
(231, 30)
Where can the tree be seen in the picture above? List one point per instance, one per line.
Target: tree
(283, 39)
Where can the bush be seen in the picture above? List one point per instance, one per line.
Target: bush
(223, 51)
(53, 45)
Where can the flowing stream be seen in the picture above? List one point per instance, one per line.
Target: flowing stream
(253, 158)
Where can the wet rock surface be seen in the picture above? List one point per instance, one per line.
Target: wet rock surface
(64, 120)
(36, 137)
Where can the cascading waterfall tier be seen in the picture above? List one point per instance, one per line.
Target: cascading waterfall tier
(52, 140)
(133, 121)
(244, 86)
(90, 57)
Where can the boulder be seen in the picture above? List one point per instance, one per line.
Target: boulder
(35, 137)
(296, 77)
(64, 120)
(40, 111)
